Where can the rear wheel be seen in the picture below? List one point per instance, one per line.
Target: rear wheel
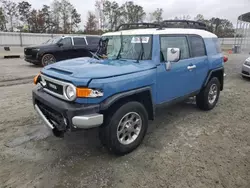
(125, 129)
(48, 59)
(209, 95)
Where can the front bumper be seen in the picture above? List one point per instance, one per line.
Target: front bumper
(62, 115)
(32, 59)
(245, 70)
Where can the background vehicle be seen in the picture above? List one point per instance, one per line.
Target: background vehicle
(147, 67)
(61, 48)
(245, 72)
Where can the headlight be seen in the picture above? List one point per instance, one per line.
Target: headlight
(86, 92)
(36, 49)
(70, 92)
(247, 63)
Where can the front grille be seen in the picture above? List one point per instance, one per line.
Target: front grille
(55, 118)
(28, 51)
(245, 72)
(56, 88)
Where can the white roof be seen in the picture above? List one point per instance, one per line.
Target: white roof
(153, 31)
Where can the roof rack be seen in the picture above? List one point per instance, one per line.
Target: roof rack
(183, 24)
(137, 26)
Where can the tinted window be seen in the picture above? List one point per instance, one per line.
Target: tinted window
(93, 40)
(175, 42)
(197, 46)
(79, 41)
(67, 41)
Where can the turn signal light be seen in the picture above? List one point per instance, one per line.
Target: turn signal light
(86, 92)
(83, 92)
(36, 79)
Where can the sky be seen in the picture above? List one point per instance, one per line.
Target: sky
(228, 9)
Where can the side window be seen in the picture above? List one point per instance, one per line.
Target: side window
(174, 42)
(217, 45)
(79, 41)
(67, 41)
(93, 40)
(197, 46)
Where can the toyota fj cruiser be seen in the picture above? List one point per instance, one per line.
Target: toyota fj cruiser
(138, 68)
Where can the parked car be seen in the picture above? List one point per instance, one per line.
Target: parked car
(61, 48)
(145, 68)
(245, 72)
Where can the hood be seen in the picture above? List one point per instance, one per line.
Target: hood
(90, 68)
(41, 46)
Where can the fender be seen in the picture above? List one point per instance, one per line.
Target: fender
(114, 98)
(210, 74)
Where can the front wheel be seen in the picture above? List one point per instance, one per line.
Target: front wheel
(124, 131)
(209, 95)
(48, 59)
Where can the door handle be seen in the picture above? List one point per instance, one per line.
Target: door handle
(191, 67)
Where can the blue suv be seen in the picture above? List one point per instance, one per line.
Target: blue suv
(137, 69)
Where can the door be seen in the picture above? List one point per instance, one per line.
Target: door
(80, 47)
(199, 59)
(178, 81)
(66, 49)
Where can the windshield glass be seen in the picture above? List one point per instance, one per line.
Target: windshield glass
(130, 48)
(53, 40)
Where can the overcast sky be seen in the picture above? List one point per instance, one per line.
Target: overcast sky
(229, 9)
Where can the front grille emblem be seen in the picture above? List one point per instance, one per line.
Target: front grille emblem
(52, 86)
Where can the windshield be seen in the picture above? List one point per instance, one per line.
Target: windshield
(130, 48)
(53, 40)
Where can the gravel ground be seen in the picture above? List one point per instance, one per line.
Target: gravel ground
(184, 147)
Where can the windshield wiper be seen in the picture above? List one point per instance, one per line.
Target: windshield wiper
(120, 50)
(141, 52)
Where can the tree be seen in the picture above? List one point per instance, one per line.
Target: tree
(183, 17)
(199, 18)
(75, 19)
(24, 12)
(11, 13)
(91, 25)
(99, 5)
(113, 14)
(56, 9)
(3, 20)
(157, 15)
(132, 13)
(66, 9)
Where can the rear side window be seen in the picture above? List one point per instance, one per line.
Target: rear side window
(197, 46)
(93, 40)
(217, 45)
(79, 41)
(175, 42)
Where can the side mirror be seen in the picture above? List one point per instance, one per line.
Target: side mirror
(173, 54)
(60, 44)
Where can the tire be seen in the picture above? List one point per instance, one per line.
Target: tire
(115, 126)
(204, 99)
(245, 77)
(46, 58)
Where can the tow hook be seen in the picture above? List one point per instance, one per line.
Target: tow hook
(57, 133)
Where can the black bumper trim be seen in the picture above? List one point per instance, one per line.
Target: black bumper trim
(67, 109)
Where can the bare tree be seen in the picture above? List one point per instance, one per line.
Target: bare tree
(91, 25)
(157, 15)
(10, 9)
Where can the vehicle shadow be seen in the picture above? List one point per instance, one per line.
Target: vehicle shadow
(85, 143)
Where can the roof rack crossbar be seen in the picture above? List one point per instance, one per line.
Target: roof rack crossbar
(183, 24)
(137, 26)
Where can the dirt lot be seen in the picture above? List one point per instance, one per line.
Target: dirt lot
(184, 147)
